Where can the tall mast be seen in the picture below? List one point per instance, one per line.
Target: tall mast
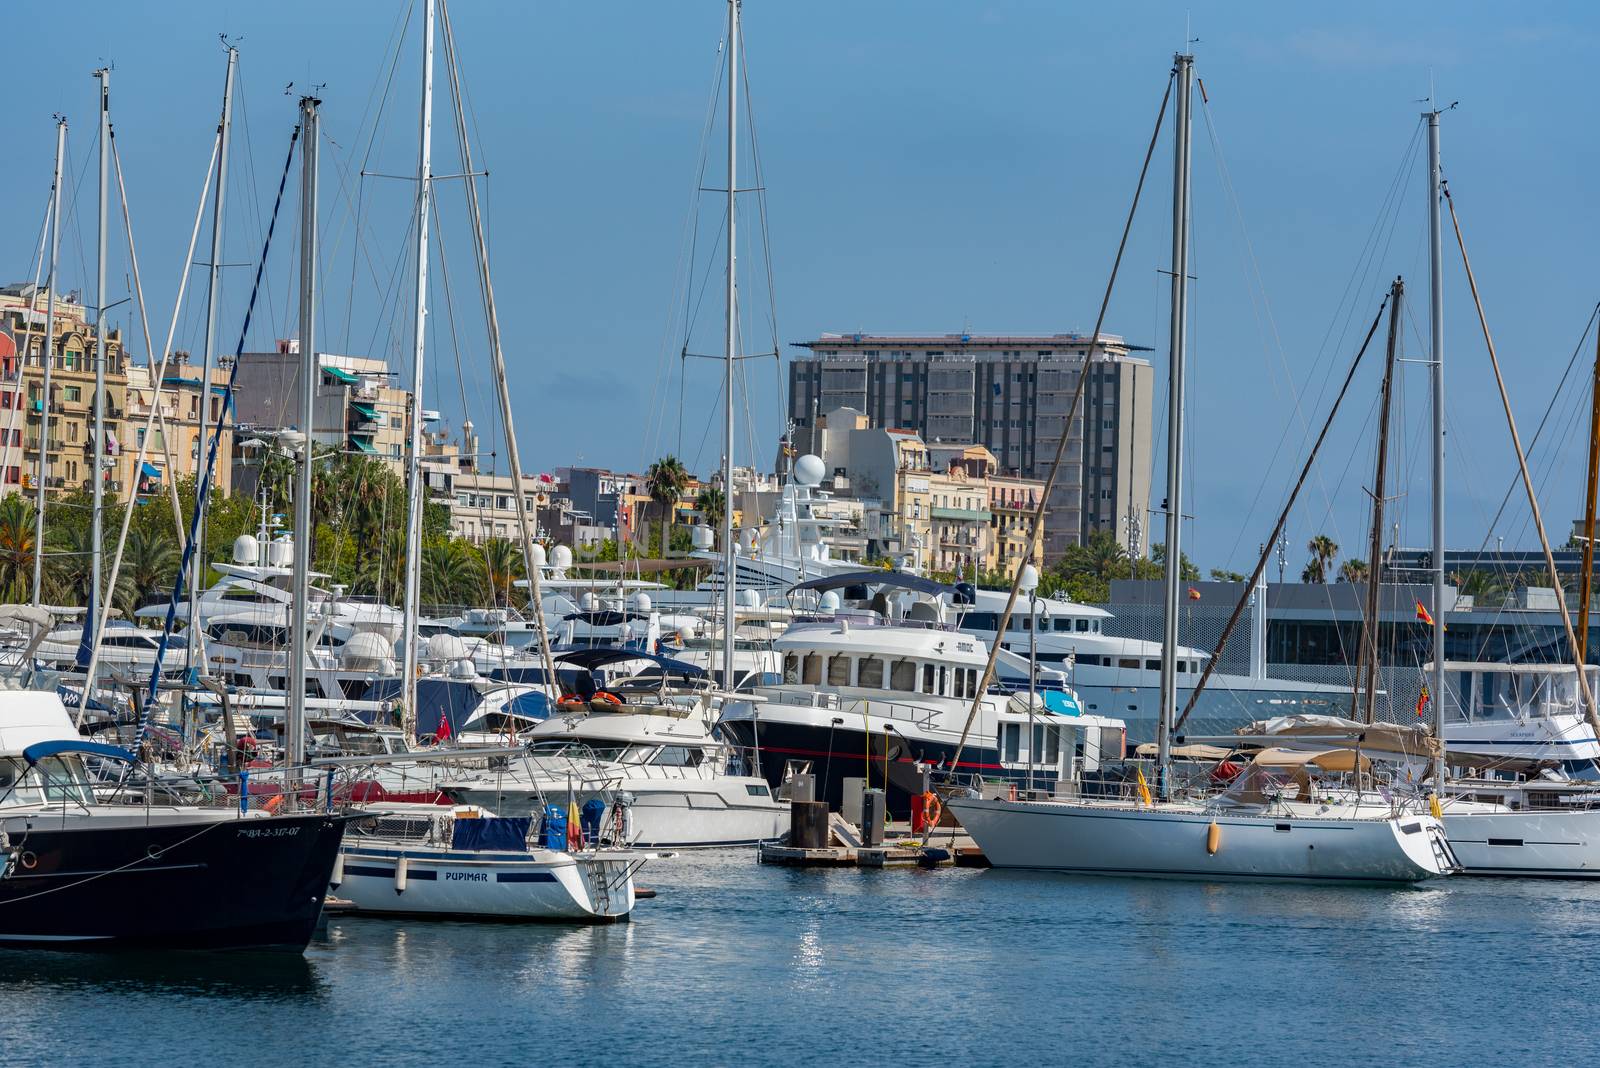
(47, 359)
(729, 564)
(304, 536)
(1436, 370)
(1179, 341)
(1369, 644)
(208, 357)
(1586, 574)
(414, 497)
(96, 465)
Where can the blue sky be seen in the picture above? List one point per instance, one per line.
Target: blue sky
(928, 167)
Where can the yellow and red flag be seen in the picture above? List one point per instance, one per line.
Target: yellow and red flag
(1194, 594)
(1422, 698)
(1423, 614)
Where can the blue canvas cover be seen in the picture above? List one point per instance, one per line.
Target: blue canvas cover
(504, 833)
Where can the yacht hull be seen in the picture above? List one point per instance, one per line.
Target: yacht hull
(1090, 838)
(664, 814)
(401, 880)
(1549, 845)
(218, 882)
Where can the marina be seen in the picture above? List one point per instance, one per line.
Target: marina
(873, 704)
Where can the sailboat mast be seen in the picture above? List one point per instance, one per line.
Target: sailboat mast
(96, 466)
(1369, 644)
(304, 536)
(46, 359)
(414, 498)
(1179, 340)
(729, 564)
(199, 563)
(1436, 372)
(1586, 573)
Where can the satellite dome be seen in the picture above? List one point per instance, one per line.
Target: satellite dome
(561, 558)
(365, 651)
(538, 555)
(702, 537)
(809, 469)
(830, 601)
(462, 669)
(641, 602)
(246, 550)
(589, 602)
(445, 647)
(749, 599)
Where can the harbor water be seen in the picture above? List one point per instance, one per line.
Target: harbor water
(735, 963)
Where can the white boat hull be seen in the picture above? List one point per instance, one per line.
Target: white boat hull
(1171, 842)
(538, 885)
(665, 813)
(1551, 845)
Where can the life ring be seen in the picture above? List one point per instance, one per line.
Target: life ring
(605, 698)
(931, 809)
(27, 860)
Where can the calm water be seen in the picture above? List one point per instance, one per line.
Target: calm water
(739, 964)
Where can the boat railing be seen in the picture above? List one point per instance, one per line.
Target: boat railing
(870, 708)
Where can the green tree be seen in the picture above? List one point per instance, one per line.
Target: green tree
(713, 507)
(502, 566)
(1323, 550)
(1353, 570)
(16, 547)
(1219, 574)
(665, 482)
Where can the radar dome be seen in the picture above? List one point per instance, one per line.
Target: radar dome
(561, 558)
(365, 650)
(702, 537)
(462, 669)
(280, 552)
(589, 602)
(641, 602)
(749, 599)
(446, 647)
(246, 550)
(809, 469)
(538, 555)
(830, 601)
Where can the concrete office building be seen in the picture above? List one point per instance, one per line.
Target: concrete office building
(1010, 394)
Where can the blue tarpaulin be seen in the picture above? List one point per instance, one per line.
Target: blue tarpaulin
(492, 832)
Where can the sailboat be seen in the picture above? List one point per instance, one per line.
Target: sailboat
(1259, 830)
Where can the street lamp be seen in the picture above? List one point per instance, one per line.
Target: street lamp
(1030, 585)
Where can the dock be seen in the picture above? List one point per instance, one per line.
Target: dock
(947, 847)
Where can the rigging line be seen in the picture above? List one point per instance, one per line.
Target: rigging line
(683, 276)
(203, 487)
(1590, 711)
(1261, 562)
(359, 242)
(1036, 526)
(1543, 419)
(766, 239)
(73, 223)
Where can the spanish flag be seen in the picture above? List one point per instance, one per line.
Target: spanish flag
(1194, 594)
(1422, 698)
(1423, 614)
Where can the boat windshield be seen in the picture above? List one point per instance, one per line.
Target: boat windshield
(56, 779)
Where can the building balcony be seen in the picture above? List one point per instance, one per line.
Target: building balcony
(968, 515)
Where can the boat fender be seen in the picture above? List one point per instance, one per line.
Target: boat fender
(1012, 795)
(1434, 808)
(1213, 839)
(338, 872)
(401, 870)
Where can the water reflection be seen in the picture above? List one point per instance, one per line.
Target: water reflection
(233, 976)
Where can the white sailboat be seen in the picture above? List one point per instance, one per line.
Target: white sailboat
(1241, 835)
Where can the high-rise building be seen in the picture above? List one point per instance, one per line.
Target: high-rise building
(1010, 394)
(357, 409)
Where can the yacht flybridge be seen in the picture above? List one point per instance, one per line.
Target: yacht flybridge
(884, 693)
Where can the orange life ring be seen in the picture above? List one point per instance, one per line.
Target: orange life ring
(931, 809)
(608, 698)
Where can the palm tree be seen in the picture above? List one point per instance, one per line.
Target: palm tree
(665, 482)
(451, 572)
(712, 505)
(502, 566)
(1353, 571)
(1323, 549)
(16, 548)
(150, 562)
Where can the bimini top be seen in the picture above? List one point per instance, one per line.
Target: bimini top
(591, 658)
(39, 750)
(960, 592)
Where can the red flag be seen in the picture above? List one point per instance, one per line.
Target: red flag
(1422, 699)
(1194, 594)
(444, 732)
(1423, 614)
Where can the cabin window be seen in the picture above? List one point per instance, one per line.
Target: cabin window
(839, 670)
(903, 676)
(869, 673)
(982, 620)
(1083, 626)
(791, 669)
(1126, 663)
(927, 679)
(677, 756)
(1036, 744)
(1063, 624)
(944, 680)
(1183, 665)
(812, 675)
(1152, 665)
(1052, 746)
(1010, 741)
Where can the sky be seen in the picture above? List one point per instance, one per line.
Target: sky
(924, 167)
